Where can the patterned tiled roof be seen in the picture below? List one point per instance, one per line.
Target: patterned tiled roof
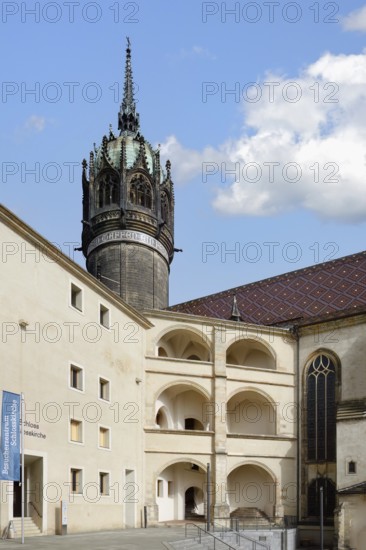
(322, 291)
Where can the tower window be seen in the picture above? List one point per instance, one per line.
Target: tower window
(140, 192)
(352, 467)
(107, 189)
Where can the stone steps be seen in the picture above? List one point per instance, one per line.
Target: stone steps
(30, 528)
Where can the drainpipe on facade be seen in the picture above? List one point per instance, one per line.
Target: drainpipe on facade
(294, 329)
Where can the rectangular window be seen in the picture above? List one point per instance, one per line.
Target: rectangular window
(352, 468)
(159, 489)
(104, 438)
(170, 488)
(104, 483)
(76, 480)
(104, 389)
(104, 316)
(76, 433)
(76, 297)
(76, 377)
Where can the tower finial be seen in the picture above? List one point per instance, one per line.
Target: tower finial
(235, 313)
(128, 119)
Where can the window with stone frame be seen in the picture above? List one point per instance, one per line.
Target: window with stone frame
(107, 189)
(141, 192)
(321, 410)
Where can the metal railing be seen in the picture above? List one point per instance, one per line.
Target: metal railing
(247, 523)
(223, 529)
(217, 542)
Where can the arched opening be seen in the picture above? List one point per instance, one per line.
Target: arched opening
(107, 189)
(314, 496)
(251, 492)
(184, 344)
(250, 353)
(192, 424)
(249, 412)
(172, 498)
(162, 352)
(194, 504)
(321, 409)
(181, 407)
(140, 192)
(161, 419)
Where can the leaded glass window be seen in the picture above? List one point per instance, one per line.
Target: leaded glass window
(321, 409)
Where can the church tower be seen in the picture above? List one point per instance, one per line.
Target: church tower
(128, 211)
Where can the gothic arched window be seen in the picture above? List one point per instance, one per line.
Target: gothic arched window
(164, 205)
(329, 497)
(321, 409)
(140, 192)
(107, 190)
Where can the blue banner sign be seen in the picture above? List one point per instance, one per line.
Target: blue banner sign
(10, 437)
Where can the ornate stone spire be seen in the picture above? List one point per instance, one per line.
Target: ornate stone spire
(128, 119)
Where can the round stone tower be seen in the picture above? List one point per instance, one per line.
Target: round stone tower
(128, 211)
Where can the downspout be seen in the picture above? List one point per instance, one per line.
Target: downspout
(295, 332)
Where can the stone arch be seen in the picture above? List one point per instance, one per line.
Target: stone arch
(186, 406)
(172, 481)
(182, 343)
(184, 460)
(335, 358)
(310, 384)
(252, 485)
(251, 353)
(251, 411)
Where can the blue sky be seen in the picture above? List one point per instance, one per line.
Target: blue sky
(292, 132)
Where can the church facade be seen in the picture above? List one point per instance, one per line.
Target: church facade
(137, 413)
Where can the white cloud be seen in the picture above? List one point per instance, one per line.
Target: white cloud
(35, 123)
(355, 20)
(321, 139)
(194, 51)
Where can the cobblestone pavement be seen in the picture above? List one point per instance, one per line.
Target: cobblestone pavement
(126, 539)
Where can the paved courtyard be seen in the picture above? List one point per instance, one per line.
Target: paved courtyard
(126, 539)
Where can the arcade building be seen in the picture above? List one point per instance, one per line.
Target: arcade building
(128, 401)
